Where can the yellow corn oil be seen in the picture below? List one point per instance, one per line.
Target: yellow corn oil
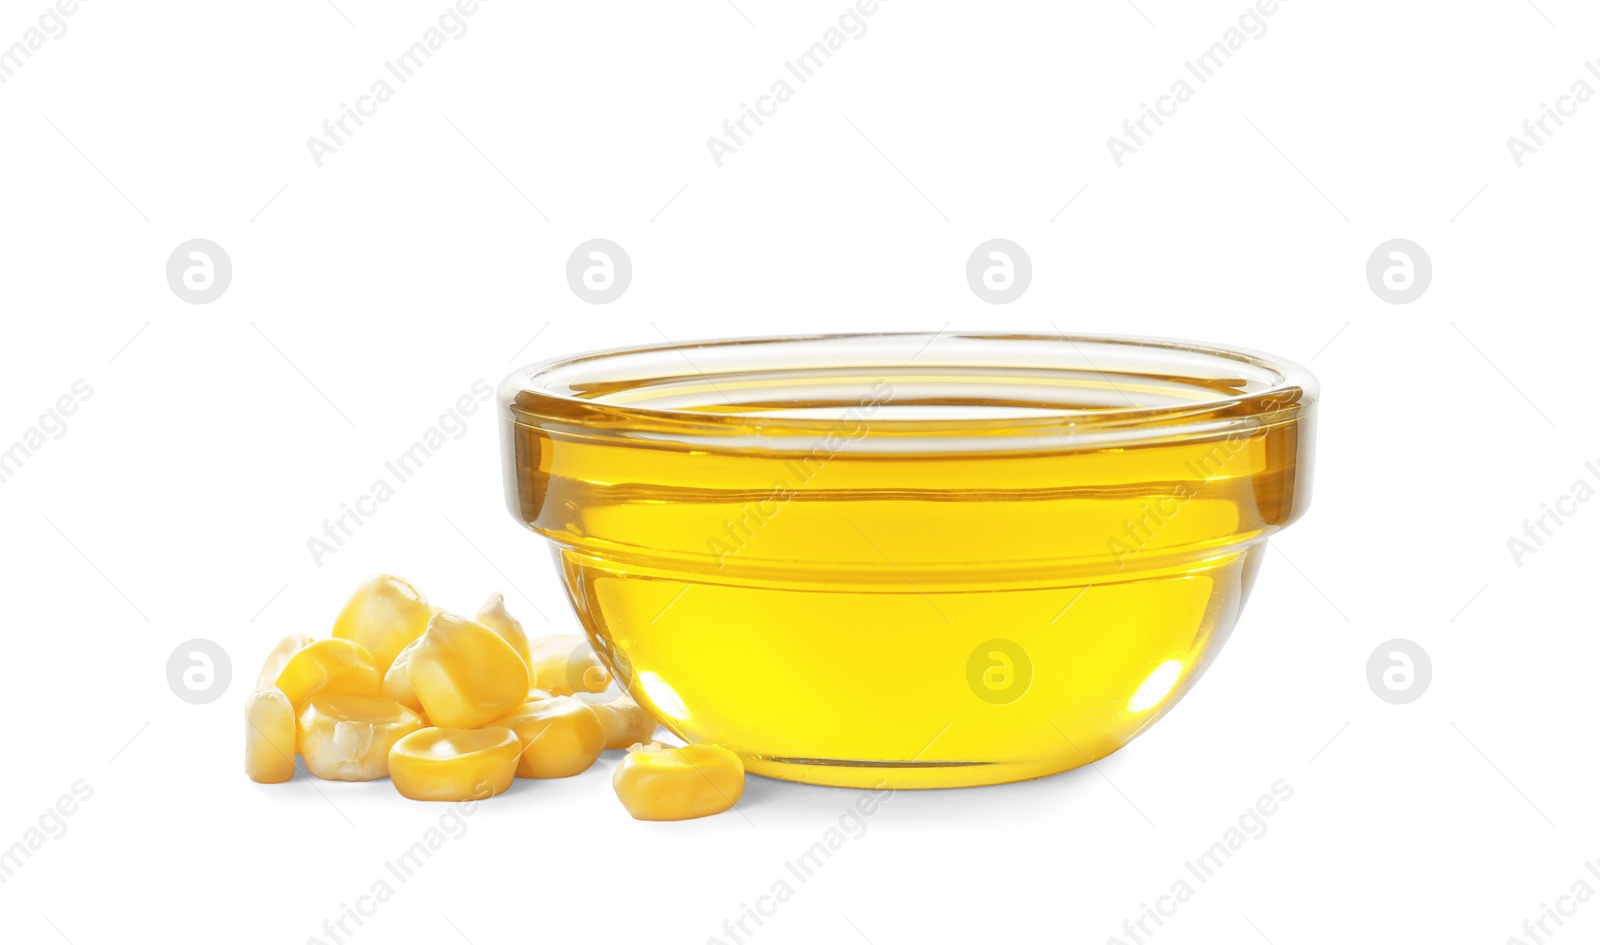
(909, 560)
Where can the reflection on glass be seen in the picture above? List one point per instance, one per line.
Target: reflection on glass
(1156, 686)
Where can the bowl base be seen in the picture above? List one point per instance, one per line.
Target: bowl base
(896, 775)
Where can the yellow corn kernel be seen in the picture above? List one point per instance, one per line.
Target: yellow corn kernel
(464, 674)
(560, 737)
(329, 666)
(279, 658)
(566, 664)
(624, 720)
(493, 614)
(269, 736)
(384, 615)
(454, 764)
(397, 681)
(347, 738)
(656, 783)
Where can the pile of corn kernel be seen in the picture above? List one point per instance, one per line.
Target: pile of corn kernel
(452, 709)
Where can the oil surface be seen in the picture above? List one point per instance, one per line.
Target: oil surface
(856, 602)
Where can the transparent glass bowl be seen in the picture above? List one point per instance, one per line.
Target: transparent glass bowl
(909, 560)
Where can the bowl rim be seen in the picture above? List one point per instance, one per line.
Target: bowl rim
(1294, 390)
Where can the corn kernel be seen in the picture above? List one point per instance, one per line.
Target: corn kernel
(329, 666)
(464, 674)
(384, 615)
(656, 783)
(625, 722)
(279, 658)
(454, 764)
(269, 736)
(347, 738)
(565, 664)
(397, 681)
(560, 737)
(493, 614)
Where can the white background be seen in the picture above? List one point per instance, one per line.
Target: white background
(373, 291)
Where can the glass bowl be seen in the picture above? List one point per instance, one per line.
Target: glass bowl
(909, 560)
